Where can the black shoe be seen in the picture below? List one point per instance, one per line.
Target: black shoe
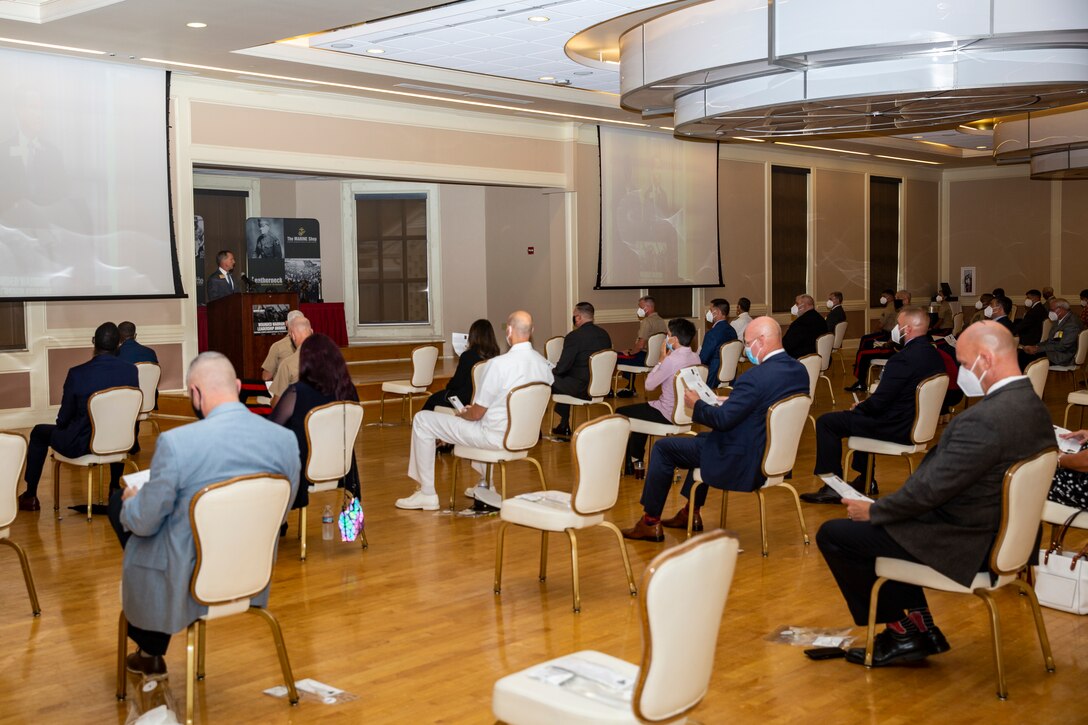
(563, 430)
(139, 664)
(625, 394)
(628, 467)
(890, 648)
(935, 641)
(859, 485)
(826, 494)
(855, 388)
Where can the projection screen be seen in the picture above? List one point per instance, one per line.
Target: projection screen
(84, 183)
(659, 211)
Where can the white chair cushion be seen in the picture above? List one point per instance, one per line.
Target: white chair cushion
(571, 400)
(1062, 368)
(217, 611)
(1058, 514)
(488, 455)
(657, 429)
(879, 362)
(921, 575)
(90, 459)
(520, 699)
(1080, 397)
(872, 445)
(444, 410)
(633, 368)
(547, 510)
(403, 387)
(322, 487)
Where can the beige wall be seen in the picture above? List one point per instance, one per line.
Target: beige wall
(321, 200)
(465, 294)
(91, 313)
(1074, 239)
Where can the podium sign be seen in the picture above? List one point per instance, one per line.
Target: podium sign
(233, 324)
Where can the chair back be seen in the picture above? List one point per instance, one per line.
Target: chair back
(602, 365)
(728, 357)
(928, 399)
(598, 448)
(478, 371)
(1037, 372)
(785, 421)
(1047, 327)
(840, 334)
(680, 413)
(12, 464)
(235, 529)
(525, 406)
(684, 591)
(813, 365)
(424, 359)
(1027, 483)
(331, 430)
(824, 344)
(149, 374)
(553, 349)
(957, 323)
(653, 349)
(113, 414)
(1082, 348)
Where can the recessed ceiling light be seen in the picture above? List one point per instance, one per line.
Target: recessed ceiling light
(539, 18)
(547, 78)
(582, 73)
(612, 62)
(35, 44)
(981, 148)
(342, 45)
(375, 51)
(196, 25)
(914, 137)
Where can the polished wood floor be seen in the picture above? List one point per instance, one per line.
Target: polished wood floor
(411, 626)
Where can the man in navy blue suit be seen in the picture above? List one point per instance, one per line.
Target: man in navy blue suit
(721, 333)
(731, 454)
(132, 351)
(71, 436)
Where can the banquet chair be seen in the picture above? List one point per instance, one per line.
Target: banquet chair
(729, 355)
(331, 430)
(812, 363)
(653, 357)
(1037, 372)
(840, 335)
(684, 591)
(149, 375)
(1025, 488)
(424, 360)
(235, 530)
(477, 378)
(597, 449)
(824, 346)
(680, 421)
(602, 365)
(553, 349)
(12, 465)
(1078, 398)
(1078, 361)
(957, 324)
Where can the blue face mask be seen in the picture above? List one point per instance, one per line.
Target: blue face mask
(750, 355)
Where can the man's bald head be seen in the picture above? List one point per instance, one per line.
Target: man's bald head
(913, 322)
(212, 371)
(989, 351)
(804, 303)
(520, 326)
(299, 329)
(763, 336)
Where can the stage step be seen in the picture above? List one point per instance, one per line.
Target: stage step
(387, 351)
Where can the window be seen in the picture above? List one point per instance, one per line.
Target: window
(12, 326)
(391, 240)
(789, 236)
(883, 236)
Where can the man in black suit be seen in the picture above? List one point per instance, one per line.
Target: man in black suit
(71, 436)
(947, 514)
(800, 337)
(221, 283)
(998, 311)
(731, 455)
(888, 414)
(1030, 326)
(572, 370)
(835, 312)
(132, 351)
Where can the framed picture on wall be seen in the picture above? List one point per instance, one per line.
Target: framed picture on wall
(968, 281)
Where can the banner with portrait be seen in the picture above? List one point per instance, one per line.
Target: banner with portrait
(284, 255)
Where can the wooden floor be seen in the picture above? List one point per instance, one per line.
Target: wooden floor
(411, 626)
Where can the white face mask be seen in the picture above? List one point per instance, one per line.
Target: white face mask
(883, 300)
(1084, 303)
(897, 335)
(988, 312)
(709, 316)
(978, 305)
(793, 311)
(969, 383)
(640, 312)
(831, 304)
(939, 298)
(1028, 303)
(1053, 316)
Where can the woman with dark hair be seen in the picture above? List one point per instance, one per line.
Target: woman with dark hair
(322, 378)
(481, 346)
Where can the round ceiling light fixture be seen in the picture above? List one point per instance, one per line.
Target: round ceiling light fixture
(375, 51)
(196, 25)
(538, 18)
(342, 46)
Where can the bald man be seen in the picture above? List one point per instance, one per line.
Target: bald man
(153, 521)
(947, 514)
(298, 329)
(480, 425)
(731, 455)
(281, 350)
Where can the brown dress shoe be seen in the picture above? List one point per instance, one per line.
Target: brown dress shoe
(28, 502)
(139, 664)
(680, 521)
(643, 531)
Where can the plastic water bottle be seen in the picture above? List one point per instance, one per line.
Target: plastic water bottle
(327, 524)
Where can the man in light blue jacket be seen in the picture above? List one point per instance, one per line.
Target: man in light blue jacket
(153, 521)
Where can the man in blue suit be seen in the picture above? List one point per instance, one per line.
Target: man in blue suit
(132, 351)
(732, 453)
(720, 333)
(153, 521)
(71, 435)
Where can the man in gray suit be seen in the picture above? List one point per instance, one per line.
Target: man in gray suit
(153, 522)
(1061, 346)
(947, 514)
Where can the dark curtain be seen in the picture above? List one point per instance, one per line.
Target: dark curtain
(883, 236)
(789, 235)
(224, 214)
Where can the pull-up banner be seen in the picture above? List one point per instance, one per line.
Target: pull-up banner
(284, 255)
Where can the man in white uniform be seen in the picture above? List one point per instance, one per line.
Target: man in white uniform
(480, 425)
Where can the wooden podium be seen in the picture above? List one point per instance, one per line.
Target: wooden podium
(232, 329)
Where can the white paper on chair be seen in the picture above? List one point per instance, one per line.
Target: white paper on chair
(694, 382)
(552, 499)
(588, 679)
(844, 489)
(268, 385)
(950, 339)
(1065, 445)
(137, 480)
(460, 342)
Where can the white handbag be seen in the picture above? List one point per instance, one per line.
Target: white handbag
(1061, 578)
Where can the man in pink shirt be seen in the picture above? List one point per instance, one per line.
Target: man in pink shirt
(676, 354)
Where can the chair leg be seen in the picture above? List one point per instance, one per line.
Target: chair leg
(1040, 625)
(410, 413)
(995, 629)
(543, 575)
(453, 483)
(761, 501)
(830, 389)
(539, 470)
(725, 509)
(190, 673)
(28, 577)
(497, 587)
(201, 638)
(381, 410)
(1065, 424)
(910, 466)
(502, 474)
(574, 570)
(874, 597)
(135, 466)
(302, 531)
(90, 492)
(800, 516)
(122, 652)
(626, 559)
(281, 650)
(56, 487)
(813, 421)
(362, 538)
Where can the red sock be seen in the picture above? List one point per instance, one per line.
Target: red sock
(651, 520)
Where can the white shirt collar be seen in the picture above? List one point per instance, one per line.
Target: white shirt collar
(224, 272)
(772, 354)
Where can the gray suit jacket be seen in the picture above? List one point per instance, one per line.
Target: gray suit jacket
(1061, 346)
(160, 556)
(947, 514)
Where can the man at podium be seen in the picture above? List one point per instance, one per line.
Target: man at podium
(221, 283)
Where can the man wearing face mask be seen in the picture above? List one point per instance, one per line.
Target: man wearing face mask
(720, 333)
(998, 312)
(1061, 347)
(800, 337)
(980, 309)
(887, 414)
(572, 371)
(948, 512)
(731, 454)
(835, 312)
(480, 425)
(649, 324)
(152, 522)
(1030, 327)
(878, 345)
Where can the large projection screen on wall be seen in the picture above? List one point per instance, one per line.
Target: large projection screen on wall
(84, 182)
(659, 211)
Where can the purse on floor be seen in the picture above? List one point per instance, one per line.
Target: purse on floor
(1061, 578)
(350, 520)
